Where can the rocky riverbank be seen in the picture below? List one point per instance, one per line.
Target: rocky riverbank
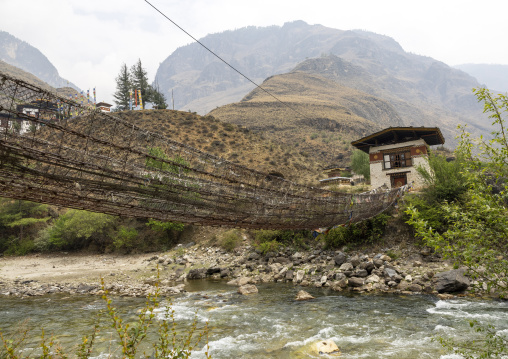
(388, 271)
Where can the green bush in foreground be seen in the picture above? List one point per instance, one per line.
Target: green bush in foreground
(475, 235)
(170, 342)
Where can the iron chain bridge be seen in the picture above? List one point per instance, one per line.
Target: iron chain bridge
(69, 154)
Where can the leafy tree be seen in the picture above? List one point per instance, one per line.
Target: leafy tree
(157, 97)
(123, 86)
(360, 163)
(476, 236)
(19, 222)
(77, 229)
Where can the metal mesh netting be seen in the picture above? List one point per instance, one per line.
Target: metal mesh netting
(55, 150)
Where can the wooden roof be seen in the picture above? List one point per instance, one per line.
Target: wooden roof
(392, 135)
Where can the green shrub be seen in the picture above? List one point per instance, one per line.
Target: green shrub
(269, 246)
(368, 231)
(125, 238)
(445, 181)
(230, 240)
(360, 163)
(169, 232)
(273, 240)
(77, 229)
(20, 222)
(431, 212)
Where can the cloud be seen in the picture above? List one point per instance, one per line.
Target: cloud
(88, 41)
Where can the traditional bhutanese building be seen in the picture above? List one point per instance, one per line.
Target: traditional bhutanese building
(104, 107)
(395, 152)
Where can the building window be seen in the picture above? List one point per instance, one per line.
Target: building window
(397, 160)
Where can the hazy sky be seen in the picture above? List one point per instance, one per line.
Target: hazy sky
(89, 40)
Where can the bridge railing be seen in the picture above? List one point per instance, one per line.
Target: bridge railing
(55, 150)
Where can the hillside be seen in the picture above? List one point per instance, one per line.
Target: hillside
(23, 75)
(417, 105)
(323, 119)
(234, 143)
(24, 56)
(422, 90)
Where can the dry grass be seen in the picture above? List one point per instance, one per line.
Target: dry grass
(232, 142)
(323, 119)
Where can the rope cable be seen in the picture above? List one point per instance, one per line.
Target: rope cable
(225, 62)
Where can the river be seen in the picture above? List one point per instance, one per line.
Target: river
(271, 324)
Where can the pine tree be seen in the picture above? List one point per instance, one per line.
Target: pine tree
(157, 97)
(140, 81)
(123, 86)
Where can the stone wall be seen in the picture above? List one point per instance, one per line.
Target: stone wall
(380, 176)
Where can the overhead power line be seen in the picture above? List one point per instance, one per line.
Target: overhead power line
(227, 63)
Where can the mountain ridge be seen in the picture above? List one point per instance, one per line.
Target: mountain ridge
(24, 56)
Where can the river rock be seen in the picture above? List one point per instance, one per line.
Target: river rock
(299, 276)
(451, 281)
(326, 347)
(355, 261)
(197, 273)
(247, 289)
(362, 273)
(356, 282)
(415, 287)
(243, 281)
(340, 284)
(213, 270)
(346, 267)
(253, 256)
(303, 295)
(289, 275)
(372, 279)
(392, 275)
(368, 266)
(340, 259)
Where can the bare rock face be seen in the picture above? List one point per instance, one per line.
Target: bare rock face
(303, 295)
(247, 289)
(451, 281)
(326, 347)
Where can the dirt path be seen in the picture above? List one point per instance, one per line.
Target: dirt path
(71, 268)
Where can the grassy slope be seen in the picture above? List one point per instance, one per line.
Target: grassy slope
(328, 116)
(237, 144)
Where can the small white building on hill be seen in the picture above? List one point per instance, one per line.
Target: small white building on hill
(395, 152)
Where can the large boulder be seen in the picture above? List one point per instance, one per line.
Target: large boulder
(368, 266)
(326, 347)
(356, 282)
(247, 289)
(392, 275)
(451, 281)
(340, 259)
(299, 276)
(197, 273)
(303, 295)
(345, 267)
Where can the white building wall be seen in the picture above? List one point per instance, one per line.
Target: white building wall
(380, 176)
